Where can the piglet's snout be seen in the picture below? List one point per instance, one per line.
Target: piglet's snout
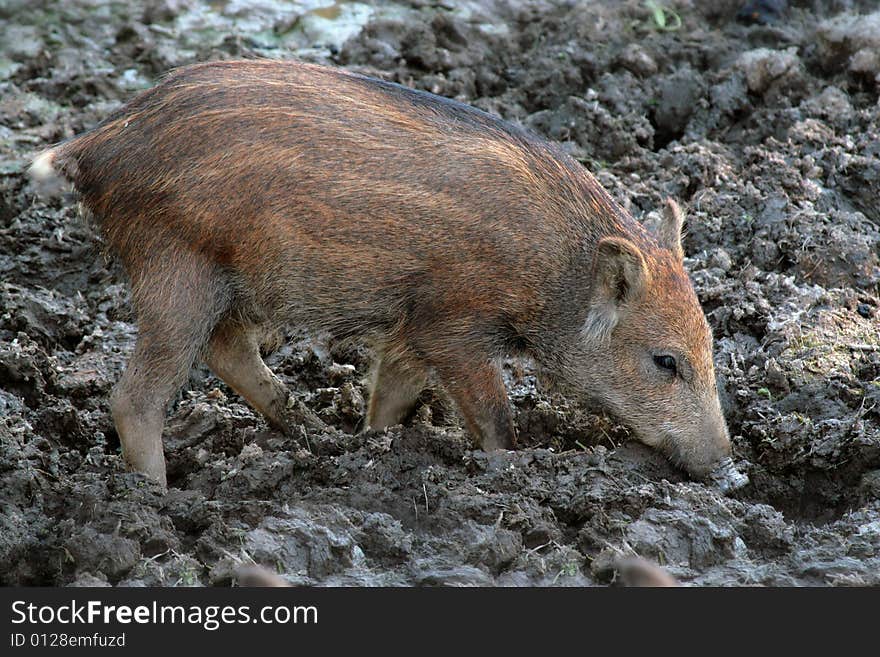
(710, 447)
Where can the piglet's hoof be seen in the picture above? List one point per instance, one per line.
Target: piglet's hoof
(147, 460)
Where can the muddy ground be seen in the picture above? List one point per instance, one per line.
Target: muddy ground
(769, 132)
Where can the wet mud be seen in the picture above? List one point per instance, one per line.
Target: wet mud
(768, 131)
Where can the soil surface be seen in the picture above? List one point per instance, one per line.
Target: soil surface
(767, 128)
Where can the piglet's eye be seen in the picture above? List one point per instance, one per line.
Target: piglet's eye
(666, 363)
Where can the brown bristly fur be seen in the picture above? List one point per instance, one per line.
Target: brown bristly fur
(245, 196)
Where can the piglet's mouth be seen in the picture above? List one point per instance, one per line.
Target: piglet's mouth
(721, 473)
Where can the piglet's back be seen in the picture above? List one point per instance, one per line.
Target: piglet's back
(264, 165)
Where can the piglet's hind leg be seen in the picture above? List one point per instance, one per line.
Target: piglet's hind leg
(177, 306)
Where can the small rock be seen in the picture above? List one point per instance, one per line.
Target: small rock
(88, 580)
(851, 39)
(720, 259)
(339, 372)
(351, 403)
(22, 42)
(635, 59)
(85, 375)
(679, 94)
(727, 478)
(250, 452)
(775, 376)
(763, 66)
(603, 565)
(865, 61)
(495, 548)
(832, 102)
(305, 543)
(111, 554)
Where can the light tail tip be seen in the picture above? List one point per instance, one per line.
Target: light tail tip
(45, 175)
(43, 166)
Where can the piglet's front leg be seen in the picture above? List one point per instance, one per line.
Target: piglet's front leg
(478, 390)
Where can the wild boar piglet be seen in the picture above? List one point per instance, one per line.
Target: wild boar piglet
(246, 196)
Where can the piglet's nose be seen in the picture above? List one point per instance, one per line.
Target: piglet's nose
(714, 447)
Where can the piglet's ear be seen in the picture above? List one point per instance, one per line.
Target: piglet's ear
(619, 276)
(668, 231)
